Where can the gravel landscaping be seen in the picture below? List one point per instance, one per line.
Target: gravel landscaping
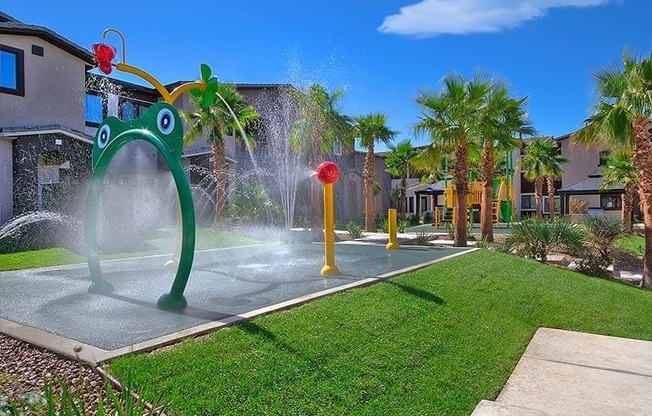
(24, 371)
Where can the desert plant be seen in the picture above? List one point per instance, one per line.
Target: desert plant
(354, 229)
(402, 224)
(423, 238)
(602, 232)
(450, 230)
(383, 224)
(427, 217)
(593, 265)
(69, 402)
(535, 238)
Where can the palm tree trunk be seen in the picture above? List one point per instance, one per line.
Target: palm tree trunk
(538, 196)
(403, 197)
(220, 170)
(628, 203)
(551, 196)
(643, 161)
(369, 174)
(487, 172)
(461, 178)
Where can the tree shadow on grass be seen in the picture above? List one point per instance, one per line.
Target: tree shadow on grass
(423, 294)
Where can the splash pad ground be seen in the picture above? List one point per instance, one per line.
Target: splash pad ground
(51, 307)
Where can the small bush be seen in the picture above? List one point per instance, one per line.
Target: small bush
(354, 229)
(414, 219)
(535, 239)
(427, 217)
(383, 224)
(423, 238)
(602, 233)
(594, 265)
(450, 230)
(401, 225)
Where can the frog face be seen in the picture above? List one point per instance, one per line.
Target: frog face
(161, 120)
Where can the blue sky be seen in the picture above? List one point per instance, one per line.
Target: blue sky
(382, 52)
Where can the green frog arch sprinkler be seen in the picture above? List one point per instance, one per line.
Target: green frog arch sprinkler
(160, 126)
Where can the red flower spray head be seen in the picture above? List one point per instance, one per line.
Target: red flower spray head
(104, 55)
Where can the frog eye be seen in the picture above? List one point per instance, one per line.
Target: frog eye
(103, 136)
(165, 121)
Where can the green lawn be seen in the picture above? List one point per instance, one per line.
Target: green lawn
(431, 342)
(206, 238)
(634, 244)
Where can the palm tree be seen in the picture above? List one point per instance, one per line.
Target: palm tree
(541, 161)
(227, 114)
(502, 117)
(320, 126)
(399, 160)
(622, 120)
(619, 169)
(369, 129)
(451, 118)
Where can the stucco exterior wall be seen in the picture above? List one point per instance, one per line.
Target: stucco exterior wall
(583, 161)
(54, 87)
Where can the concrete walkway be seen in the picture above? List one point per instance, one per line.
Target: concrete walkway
(577, 374)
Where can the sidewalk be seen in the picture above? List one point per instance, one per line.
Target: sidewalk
(577, 374)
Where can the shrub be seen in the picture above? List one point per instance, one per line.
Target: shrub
(535, 239)
(354, 229)
(70, 402)
(250, 204)
(423, 238)
(383, 224)
(602, 233)
(413, 219)
(593, 265)
(450, 230)
(427, 217)
(402, 224)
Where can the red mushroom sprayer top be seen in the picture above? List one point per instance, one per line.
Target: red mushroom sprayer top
(328, 172)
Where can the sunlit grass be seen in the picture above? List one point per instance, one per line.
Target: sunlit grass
(431, 342)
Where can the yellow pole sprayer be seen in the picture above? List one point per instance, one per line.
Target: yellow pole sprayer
(328, 173)
(393, 241)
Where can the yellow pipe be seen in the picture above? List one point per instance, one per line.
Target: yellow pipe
(393, 241)
(329, 233)
(168, 97)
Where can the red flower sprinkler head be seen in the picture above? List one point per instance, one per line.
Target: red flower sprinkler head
(104, 54)
(328, 172)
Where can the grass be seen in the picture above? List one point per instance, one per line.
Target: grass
(631, 243)
(434, 341)
(54, 256)
(163, 243)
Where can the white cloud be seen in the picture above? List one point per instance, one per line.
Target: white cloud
(435, 17)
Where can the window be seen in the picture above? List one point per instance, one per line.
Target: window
(128, 111)
(610, 202)
(423, 205)
(410, 204)
(557, 205)
(528, 203)
(337, 148)
(95, 110)
(11, 71)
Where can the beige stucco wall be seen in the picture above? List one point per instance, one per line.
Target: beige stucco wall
(582, 161)
(54, 87)
(6, 181)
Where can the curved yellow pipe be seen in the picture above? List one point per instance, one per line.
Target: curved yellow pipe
(170, 98)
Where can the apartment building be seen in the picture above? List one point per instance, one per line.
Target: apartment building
(51, 105)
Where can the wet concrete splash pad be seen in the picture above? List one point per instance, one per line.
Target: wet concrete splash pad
(227, 285)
